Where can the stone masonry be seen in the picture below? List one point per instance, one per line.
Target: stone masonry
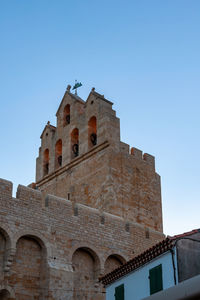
(95, 204)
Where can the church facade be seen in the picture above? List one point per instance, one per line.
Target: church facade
(96, 203)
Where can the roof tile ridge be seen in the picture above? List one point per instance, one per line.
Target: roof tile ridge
(138, 260)
(177, 236)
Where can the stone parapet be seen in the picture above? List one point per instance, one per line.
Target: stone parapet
(63, 230)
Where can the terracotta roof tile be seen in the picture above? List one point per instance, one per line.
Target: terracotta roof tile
(184, 234)
(144, 257)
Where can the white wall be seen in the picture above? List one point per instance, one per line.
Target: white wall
(136, 283)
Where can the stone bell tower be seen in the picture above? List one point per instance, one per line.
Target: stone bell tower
(83, 160)
(96, 203)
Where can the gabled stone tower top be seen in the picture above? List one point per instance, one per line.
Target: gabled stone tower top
(83, 160)
(80, 126)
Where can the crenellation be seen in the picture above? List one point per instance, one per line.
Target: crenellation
(28, 194)
(136, 153)
(53, 202)
(125, 148)
(58, 203)
(6, 188)
(150, 159)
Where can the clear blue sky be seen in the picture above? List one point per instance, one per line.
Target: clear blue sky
(142, 55)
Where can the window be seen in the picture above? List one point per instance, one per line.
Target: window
(155, 279)
(119, 292)
(74, 143)
(92, 132)
(46, 162)
(147, 233)
(58, 154)
(66, 115)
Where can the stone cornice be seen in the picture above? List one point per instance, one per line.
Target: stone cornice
(73, 163)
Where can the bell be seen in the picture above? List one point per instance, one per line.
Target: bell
(93, 138)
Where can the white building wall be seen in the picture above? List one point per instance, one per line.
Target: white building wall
(136, 283)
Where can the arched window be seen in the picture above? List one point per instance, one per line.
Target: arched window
(66, 115)
(74, 143)
(46, 162)
(92, 132)
(58, 154)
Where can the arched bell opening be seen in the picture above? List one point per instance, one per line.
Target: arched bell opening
(66, 115)
(92, 132)
(74, 143)
(58, 154)
(46, 162)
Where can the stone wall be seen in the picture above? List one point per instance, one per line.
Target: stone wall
(106, 175)
(53, 249)
(188, 249)
(96, 203)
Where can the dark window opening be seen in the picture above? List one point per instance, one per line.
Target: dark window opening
(67, 119)
(119, 292)
(75, 143)
(92, 132)
(66, 115)
(60, 160)
(46, 168)
(93, 139)
(75, 150)
(46, 162)
(127, 227)
(58, 154)
(155, 279)
(102, 220)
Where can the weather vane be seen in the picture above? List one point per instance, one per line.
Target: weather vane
(76, 86)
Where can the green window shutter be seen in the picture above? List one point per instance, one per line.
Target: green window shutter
(155, 279)
(119, 292)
